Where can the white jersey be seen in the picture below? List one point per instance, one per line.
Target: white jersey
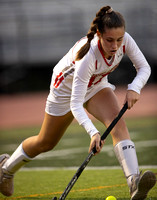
(74, 80)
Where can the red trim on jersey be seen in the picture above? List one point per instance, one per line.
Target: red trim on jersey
(58, 80)
(102, 53)
(124, 49)
(91, 81)
(96, 62)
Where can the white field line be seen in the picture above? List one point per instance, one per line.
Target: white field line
(64, 153)
(71, 152)
(87, 168)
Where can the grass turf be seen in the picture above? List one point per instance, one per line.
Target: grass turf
(71, 151)
(92, 185)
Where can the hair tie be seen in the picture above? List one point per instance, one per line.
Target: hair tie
(109, 10)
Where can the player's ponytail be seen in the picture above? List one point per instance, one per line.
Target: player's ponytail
(85, 48)
(105, 18)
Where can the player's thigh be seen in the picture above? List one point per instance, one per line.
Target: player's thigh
(103, 105)
(53, 127)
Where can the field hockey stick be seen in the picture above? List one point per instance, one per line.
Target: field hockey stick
(90, 155)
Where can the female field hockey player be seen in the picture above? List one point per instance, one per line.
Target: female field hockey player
(80, 81)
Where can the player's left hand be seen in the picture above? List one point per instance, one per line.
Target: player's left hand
(131, 97)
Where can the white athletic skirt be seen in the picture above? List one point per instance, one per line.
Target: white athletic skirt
(60, 107)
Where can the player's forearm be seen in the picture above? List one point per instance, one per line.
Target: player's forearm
(141, 79)
(82, 118)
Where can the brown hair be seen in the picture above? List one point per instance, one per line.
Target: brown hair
(105, 18)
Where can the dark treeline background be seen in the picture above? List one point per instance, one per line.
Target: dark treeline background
(36, 34)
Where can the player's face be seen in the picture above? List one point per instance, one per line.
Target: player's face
(111, 40)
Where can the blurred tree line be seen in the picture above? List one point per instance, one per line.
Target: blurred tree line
(36, 34)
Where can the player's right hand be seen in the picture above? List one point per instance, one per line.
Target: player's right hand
(95, 142)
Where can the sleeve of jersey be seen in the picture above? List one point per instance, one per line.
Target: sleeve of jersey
(82, 75)
(140, 63)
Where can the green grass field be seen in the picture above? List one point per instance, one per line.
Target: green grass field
(95, 183)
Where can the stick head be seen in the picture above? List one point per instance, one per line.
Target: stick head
(54, 198)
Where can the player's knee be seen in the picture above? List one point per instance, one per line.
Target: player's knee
(45, 146)
(120, 127)
(120, 132)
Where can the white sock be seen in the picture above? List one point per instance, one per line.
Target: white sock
(16, 161)
(126, 155)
